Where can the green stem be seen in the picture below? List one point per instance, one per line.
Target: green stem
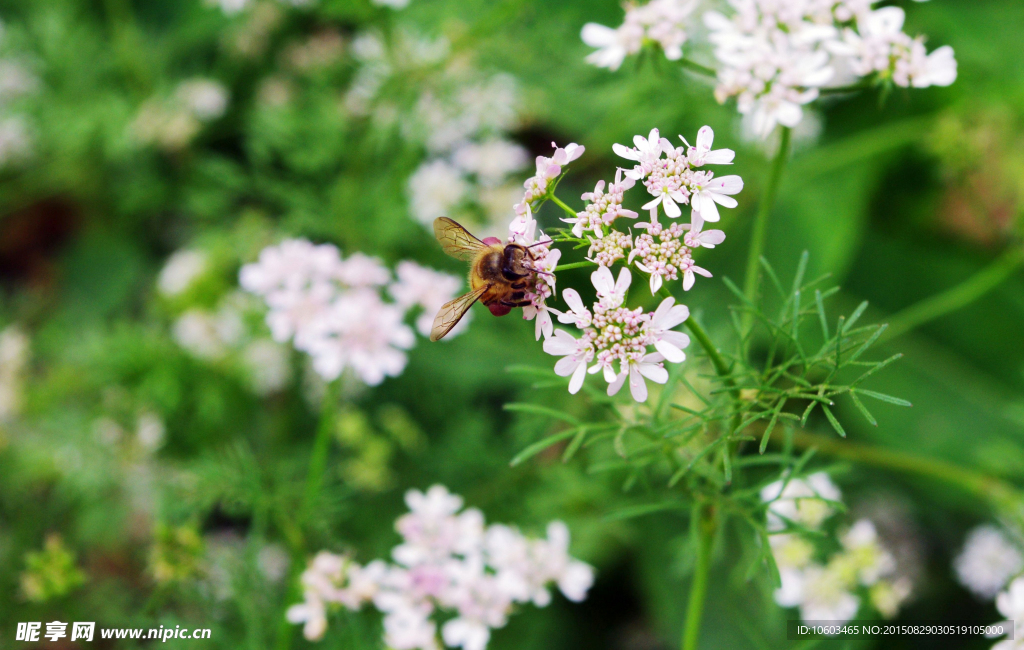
(574, 265)
(701, 572)
(957, 297)
(710, 349)
(321, 447)
(557, 201)
(693, 66)
(842, 90)
(986, 487)
(757, 241)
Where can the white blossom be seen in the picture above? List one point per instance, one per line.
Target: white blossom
(988, 561)
(1010, 604)
(449, 564)
(429, 289)
(664, 22)
(800, 501)
(14, 357)
(435, 189)
(180, 271)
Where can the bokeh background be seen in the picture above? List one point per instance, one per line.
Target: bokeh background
(147, 480)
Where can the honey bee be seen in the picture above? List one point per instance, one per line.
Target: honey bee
(500, 275)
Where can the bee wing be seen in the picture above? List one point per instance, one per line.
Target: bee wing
(456, 240)
(453, 311)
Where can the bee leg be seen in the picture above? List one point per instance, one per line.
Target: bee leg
(520, 303)
(522, 284)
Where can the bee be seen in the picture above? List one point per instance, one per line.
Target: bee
(500, 275)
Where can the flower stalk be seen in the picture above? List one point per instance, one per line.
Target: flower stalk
(988, 488)
(321, 447)
(956, 297)
(706, 526)
(751, 283)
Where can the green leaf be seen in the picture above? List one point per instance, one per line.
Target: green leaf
(541, 445)
(646, 509)
(883, 397)
(863, 409)
(543, 410)
(575, 445)
(833, 421)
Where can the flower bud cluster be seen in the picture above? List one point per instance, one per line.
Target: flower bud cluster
(610, 249)
(603, 208)
(449, 566)
(548, 169)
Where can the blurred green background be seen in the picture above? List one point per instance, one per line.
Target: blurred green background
(898, 200)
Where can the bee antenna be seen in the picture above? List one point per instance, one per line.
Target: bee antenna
(540, 243)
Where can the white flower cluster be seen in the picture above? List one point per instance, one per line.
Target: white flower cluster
(222, 335)
(333, 309)
(1010, 604)
(449, 564)
(523, 231)
(16, 82)
(460, 116)
(797, 508)
(776, 56)
(548, 171)
(235, 6)
(662, 22)
(674, 177)
(171, 123)
(616, 339)
(14, 354)
(988, 561)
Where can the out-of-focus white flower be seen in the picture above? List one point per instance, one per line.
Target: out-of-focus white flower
(394, 4)
(204, 98)
(887, 597)
(268, 366)
(15, 81)
(835, 590)
(435, 189)
(988, 561)
(14, 355)
(181, 269)
(1010, 604)
(15, 141)
(490, 161)
(229, 6)
(864, 555)
(361, 332)
(450, 564)
(273, 562)
(660, 21)
(800, 501)
(826, 597)
(196, 332)
(420, 286)
(150, 431)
